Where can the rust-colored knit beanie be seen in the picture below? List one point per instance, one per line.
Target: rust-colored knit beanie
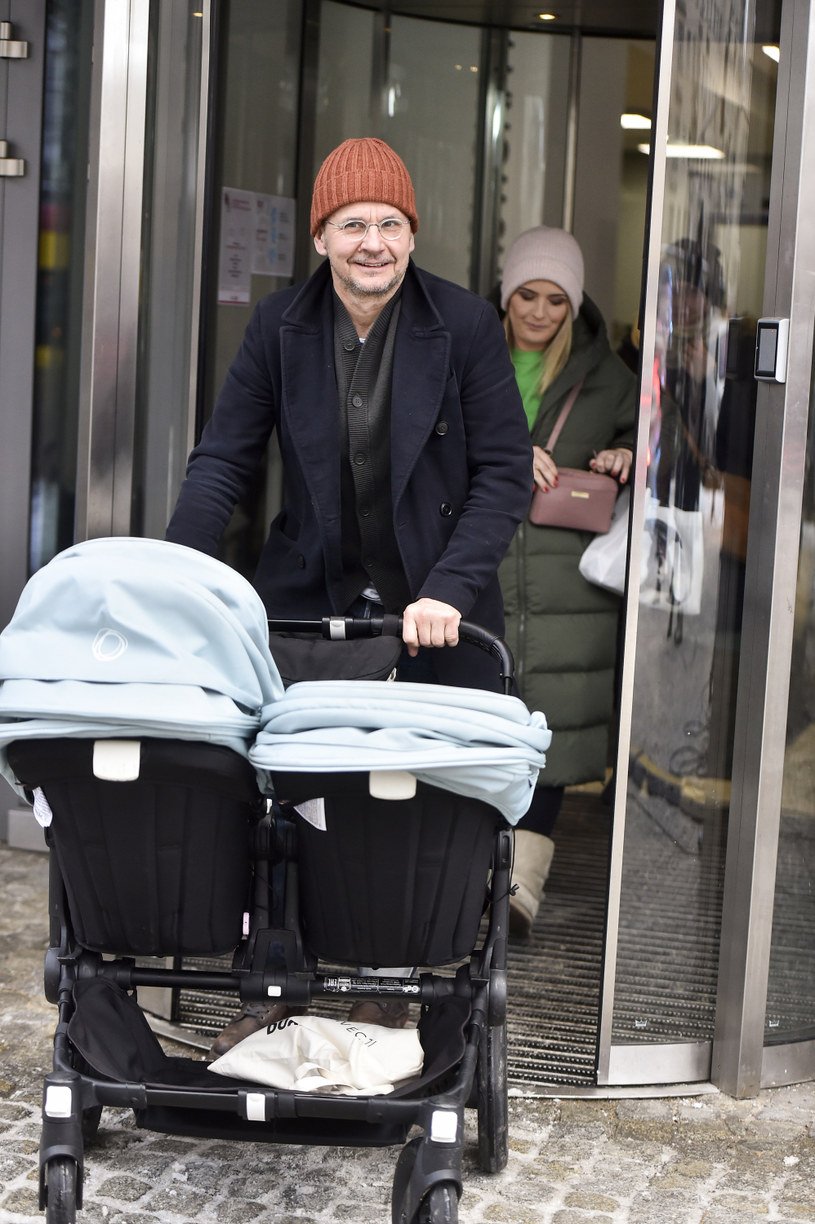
(358, 171)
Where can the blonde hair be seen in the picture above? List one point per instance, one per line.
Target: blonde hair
(555, 355)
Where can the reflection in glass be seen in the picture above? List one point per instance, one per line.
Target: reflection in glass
(692, 583)
(59, 284)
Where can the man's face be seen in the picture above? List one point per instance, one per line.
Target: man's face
(369, 267)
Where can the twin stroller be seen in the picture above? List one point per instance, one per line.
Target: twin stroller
(196, 805)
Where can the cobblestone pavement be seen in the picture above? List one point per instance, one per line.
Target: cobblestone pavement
(704, 1159)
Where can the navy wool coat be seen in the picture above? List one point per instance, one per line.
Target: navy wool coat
(461, 458)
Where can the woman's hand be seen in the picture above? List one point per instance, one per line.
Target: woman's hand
(613, 463)
(544, 469)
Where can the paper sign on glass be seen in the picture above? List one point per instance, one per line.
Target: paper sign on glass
(236, 245)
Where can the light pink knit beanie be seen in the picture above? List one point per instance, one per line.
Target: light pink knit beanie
(544, 253)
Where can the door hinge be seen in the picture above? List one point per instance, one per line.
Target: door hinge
(10, 167)
(11, 48)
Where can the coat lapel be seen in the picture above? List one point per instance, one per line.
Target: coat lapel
(309, 408)
(421, 366)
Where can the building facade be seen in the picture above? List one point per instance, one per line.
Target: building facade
(155, 182)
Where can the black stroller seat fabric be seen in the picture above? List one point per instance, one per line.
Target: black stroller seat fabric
(303, 657)
(408, 876)
(156, 866)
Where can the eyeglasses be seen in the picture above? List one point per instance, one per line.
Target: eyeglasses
(390, 229)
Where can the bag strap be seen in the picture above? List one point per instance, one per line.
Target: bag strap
(564, 412)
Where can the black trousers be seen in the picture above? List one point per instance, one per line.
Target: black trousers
(543, 811)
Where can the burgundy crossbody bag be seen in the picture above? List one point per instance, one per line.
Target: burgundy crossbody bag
(580, 500)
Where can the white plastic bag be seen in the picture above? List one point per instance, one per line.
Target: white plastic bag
(604, 559)
(673, 558)
(316, 1054)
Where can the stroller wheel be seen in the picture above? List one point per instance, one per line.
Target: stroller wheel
(439, 1205)
(60, 1190)
(492, 1102)
(401, 1177)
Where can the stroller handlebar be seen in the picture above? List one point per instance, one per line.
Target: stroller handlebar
(344, 628)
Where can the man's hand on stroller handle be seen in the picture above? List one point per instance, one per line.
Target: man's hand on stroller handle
(428, 622)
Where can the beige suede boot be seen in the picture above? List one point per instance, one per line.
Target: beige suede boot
(533, 859)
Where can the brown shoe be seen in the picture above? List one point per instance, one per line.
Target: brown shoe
(391, 1013)
(251, 1018)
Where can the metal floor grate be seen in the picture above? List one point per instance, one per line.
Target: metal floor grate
(554, 975)
(668, 940)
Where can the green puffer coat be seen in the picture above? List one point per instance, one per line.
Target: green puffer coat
(563, 630)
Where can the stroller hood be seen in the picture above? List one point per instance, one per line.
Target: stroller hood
(468, 741)
(124, 637)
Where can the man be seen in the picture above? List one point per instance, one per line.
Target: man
(407, 463)
(406, 456)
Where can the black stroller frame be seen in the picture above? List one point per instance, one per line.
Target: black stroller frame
(93, 953)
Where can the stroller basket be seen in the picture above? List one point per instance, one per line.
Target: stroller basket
(391, 881)
(158, 865)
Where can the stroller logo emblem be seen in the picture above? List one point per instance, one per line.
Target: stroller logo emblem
(108, 645)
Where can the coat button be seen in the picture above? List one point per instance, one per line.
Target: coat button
(349, 346)
(357, 401)
(445, 509)
(301, 562)
(360, 457)
(441, 428)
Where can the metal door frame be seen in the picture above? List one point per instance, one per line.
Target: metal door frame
(112, 265)
(741, 1063)
(737, 1060)
(113, 244)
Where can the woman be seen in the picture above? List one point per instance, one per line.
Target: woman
(562, 630)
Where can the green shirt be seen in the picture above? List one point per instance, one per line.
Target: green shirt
(528, 370)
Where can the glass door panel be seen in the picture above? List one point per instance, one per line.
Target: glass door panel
(255, 166)
(257, 146)
(536, 138)
(713, 240)
(432, 114)
(346, 105)
(616, 83)
(373, 81)
(790, 1015)
(550, 165)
